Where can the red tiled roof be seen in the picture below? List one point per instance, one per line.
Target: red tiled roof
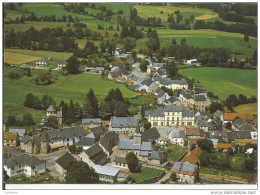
(223, 145)
(10, 135)
(193, 131)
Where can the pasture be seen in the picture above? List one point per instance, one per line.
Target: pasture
(204, 38)
(246, 108)
(224, 81)
(145, 173)
(39, 53)
(17, 58)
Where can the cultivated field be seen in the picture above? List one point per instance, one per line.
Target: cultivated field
(16, 58)
(246, 108)
(225, 81)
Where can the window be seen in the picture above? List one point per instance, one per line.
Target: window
(68, 139)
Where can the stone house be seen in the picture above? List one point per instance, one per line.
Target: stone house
(123, 125)
(186, 172)
(41, 62)
(30, 144)
(63, 163)
(157, 158)
(62, 64)
(24, 164)
(21, 132)
(51, 111)
(120, 162)
(177, 137)
(198, 101)
(91, 122)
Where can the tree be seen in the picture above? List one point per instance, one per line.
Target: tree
(230, 151)
(43, 78)
(172, 69)
(105, 111)
(205, 145)
(173, 177)
(143, 65)
(129, 43)
(147, 124)
(192, 18)
(11, 121)
(94, 102)
(246, 37)
(204, 159)
(29, 100)
(214, 106)
(249, 165)
(6, 177)
(132, 162)
(118, 95)
(120, 109)
(71, 111)
(81, 173)
(72, 148)
(228, 125)
(47, 101)
(73, 65)
(78, 111)
(28, 119)
(231, 101)
(87, 109)
(51, 122)
(242, 99)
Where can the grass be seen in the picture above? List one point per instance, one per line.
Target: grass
(145, 173)
(246, 108)
(135, 102)
(224, 81)
(41, 54)
(214, 171)
(204, 38)
(174, 152)
(17, 58)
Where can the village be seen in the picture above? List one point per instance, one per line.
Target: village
(179, 122)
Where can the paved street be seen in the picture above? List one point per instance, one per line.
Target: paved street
(51, 158)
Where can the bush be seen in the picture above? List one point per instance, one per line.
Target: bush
(79, 149)
(11, 121)
(14, 75)
(72, 149)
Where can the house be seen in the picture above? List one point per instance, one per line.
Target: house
(56, 138)
(120, 162)
(21, 132)
(88, 141)
(101, 130)
(94, 155)
(124, 125)
(154, 67)
(184, 97)
(177, 137)
(91, 122)
(63, 163)
(11, 139)
(31, 145)
(122, 176)
(94, 69)
(51, 111)
(219, 114)
(41, 62)
(192, 61)
(106, 173)
(24, 164)
(162, 97)
(118, 50)
(156, 158)
(198, 101)
(171, 115)
(203, 125)
(193, 132)
(159, 73)
(179, 84)
(150, 135)
(62, 64)
(147, 85)
(109, 141)
(186, 172)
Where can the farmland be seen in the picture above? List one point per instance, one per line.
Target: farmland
(246, 108)
(224, 81)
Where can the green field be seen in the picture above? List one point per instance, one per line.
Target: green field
(204, 38)
(246, 108)
(174, 152)
(224, 81)
(145, 173)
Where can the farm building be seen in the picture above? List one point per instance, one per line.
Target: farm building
(41, 62)
(11, 139)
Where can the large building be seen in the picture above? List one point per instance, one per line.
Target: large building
(125, 125)
(171, 115)
(51, 111)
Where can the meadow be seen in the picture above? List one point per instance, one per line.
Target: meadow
(145, 173)
(16, 58)
(224, 81)
(246, 108)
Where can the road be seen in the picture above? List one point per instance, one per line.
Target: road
(51, 158)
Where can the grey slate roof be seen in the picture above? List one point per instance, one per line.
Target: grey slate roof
(147, 82)
(26, 139)
(199, 98)
(41, 60)
(246, 127)
(144, 153)
(187, 167)
(120, 159)
(147, 146)
(203, 123)
(106, 170)
(157, 155)
(23, 159)
(91, 120)
(157, 113)
(70, 132)
(161, 94)
(100, 129)
(59, 114)
(218, 113)
(62, 62)
(85, 141)
(65, 160)
(187, 113)
(179, 82)
(178, 134)
(109, 141)
(51, 109)
(172, 108)
(20, 132)
(127, 144)
(124, 122)
(150, 135)
(242, 135)
(176, 166)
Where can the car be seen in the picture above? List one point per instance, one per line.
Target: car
(16, 148)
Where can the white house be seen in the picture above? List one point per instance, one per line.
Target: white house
(24, 164)
(41, 62)
(177, 136)
(192, 61)
(62, 64)
(125, 125)
(186, 172)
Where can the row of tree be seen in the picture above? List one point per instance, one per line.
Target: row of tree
(33, 101)
(233, 100)
(27, 120)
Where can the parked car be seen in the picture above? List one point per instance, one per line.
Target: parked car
(16, 148)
